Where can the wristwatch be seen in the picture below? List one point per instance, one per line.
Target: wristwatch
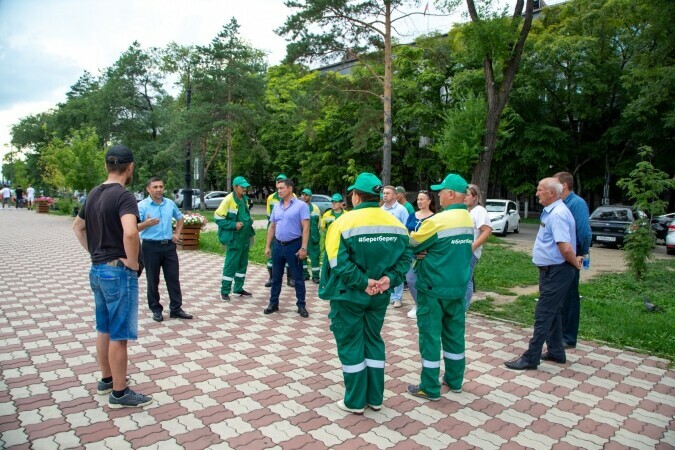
(303, 248)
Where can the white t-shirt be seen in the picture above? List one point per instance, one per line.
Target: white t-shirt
(6, 193)
(30, 192)
(480, 217)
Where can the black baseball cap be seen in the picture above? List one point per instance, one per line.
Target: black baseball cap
(119, 154)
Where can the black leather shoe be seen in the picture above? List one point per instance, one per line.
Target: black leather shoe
(157, 316)
(180, 314)
(291, 282)
(269, 283)
(547, 357)
(244, 293)
(315, 280)
(271, 308)
(520, 364)
(303, 312)
(567, 346)
(225, 297)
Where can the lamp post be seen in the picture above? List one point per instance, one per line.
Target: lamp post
(187, 192)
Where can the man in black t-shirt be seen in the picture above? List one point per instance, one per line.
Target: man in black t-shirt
(107, 227)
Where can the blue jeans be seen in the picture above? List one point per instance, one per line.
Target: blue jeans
(469, 287)
(116, 301)
(411, 278)
(283, 255)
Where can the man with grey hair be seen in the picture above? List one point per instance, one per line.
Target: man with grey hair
(554, 254)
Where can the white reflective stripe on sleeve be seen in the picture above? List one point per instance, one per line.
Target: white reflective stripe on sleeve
(333, 262)
(375, 363)
(227, 278)
(233, 211)
(431, 364)
(355, 368)
(269, 265)
(453, 356)
(240, 275)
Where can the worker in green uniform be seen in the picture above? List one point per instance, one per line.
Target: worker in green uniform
(235, 229)
(443, 242)
(272, 200)
(314, 244)
(336, 211)
(367, 253)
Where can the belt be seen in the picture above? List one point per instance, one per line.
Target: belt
(162, 242)
(292, 241)
(545, 268)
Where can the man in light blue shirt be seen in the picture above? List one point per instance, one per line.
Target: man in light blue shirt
(159, 249)
(555, 256)
(571, 306)
(393, 207)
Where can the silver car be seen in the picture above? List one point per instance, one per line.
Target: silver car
(670, 239)
(322, 201)
(213, 199)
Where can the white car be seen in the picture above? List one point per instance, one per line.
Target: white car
(178, 198)
(503, 215)
(670, 239)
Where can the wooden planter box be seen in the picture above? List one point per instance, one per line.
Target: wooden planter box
(190, 237)
(42, 207)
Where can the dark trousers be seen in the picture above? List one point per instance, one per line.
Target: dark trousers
(570, 312)
(283, 255)
(158, 256)
(554, 282)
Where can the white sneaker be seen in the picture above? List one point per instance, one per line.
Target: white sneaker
(341, 404)
(413, 313)
(397, 303)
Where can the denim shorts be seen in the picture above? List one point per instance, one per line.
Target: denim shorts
(116, 301)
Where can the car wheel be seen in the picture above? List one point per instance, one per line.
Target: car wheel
(506, 229)
(517, 229)
(670, 251)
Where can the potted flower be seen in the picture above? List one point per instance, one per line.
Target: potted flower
(193, 223)
(42, 204)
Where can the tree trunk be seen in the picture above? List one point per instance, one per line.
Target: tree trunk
(498, 97)
(386, 149)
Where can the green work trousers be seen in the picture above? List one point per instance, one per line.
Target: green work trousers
(236, 262)
(360, 348)
(440, 321)
(313, 253)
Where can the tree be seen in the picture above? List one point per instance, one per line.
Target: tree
(645, 186)
(499, 41)
(349, 30)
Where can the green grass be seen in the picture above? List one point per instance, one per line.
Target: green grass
(612, 310)
(208, 242)
(501, 268)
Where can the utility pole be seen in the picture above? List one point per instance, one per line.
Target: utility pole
(187, 192)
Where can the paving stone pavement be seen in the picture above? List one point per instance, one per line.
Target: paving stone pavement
(235, 378)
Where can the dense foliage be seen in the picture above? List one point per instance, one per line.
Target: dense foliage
(594, 85)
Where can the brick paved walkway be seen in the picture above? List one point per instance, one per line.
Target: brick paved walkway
(235, 378)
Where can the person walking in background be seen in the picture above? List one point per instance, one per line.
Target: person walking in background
(366, 253)
(571, 309)
(107, 227)
(19, 197)
(427, 208)
(235, 230)
(272, 200)
(159, 249)
(442, 276)
(30, 196)
(400, 197)
(482, 229)
(555, 256)
(314, 245)
(6, 194)
(337, 210)
(287, 240)
(393, 207)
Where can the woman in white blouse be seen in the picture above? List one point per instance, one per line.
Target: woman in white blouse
(482, 228)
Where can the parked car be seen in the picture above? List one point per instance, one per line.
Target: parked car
(503, 215)
(660, 225)
(178, 197)
(213, 199)
(670, 238)
(322, 201)
(611, 223)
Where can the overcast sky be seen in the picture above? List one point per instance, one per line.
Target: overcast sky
(46, 45)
